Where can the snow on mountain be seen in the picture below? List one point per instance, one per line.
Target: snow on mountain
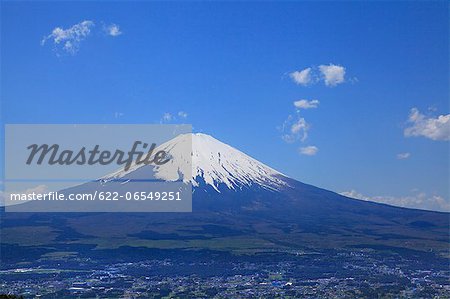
(213, 161)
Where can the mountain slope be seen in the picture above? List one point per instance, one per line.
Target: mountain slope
(240, 204)
(238, 193)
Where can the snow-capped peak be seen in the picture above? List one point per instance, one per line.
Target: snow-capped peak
(213, 161)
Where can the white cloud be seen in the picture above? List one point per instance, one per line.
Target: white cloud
(353, 194)
(69, 39)
(417, 200)
(297, 129)
(305, 104)
(167, 117)
(402, 156)
(173, 117)
(302, 77)
(182, 114)
(118, 114)
(113, 30)
(310, 150)
(332, 74)
(433, 128)
(299, 126)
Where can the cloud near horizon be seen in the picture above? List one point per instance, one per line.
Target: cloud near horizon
(437, 129)
(418, 200)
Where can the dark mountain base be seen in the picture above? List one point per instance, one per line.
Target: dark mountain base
(301, 242)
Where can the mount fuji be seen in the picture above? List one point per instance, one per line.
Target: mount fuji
(237, 193)
(241, 204)
(212, 166)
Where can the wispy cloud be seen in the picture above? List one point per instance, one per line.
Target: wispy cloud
(118, 114)
(330, 74)
(167, 117)
(403, 156)
(69, 39)
(294, 129)
(300, 127)
(305, 104)
(434, 128)
(113, 30)
(310, 150)
(173, 117)
(417, 200)
(182, 114)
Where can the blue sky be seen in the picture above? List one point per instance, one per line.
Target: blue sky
(229, 67)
